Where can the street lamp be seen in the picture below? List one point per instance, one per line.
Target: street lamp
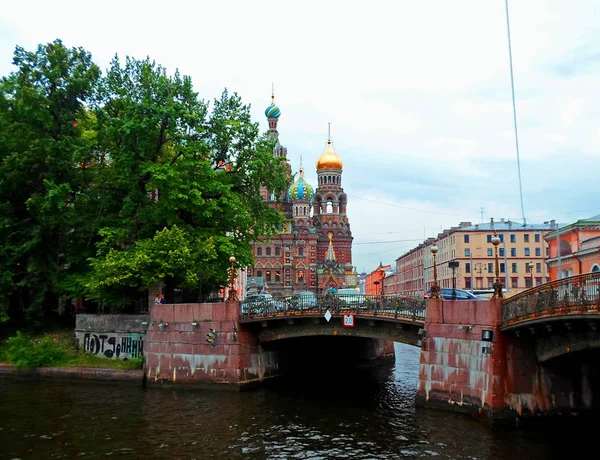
(376, 283)
(453, 264)
(497, 284)
(232, 291)
(293, 273)
(531, 265)
(435, 287)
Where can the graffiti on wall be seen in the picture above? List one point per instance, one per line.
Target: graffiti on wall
(117, 346)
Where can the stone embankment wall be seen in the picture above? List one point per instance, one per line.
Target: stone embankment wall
(458, 370)
(204, 344)
(507, 378)
(112, 336)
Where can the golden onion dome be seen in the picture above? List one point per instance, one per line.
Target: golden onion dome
(329, 159)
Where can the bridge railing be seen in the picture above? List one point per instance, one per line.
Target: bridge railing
(580, 292)
(359, 304)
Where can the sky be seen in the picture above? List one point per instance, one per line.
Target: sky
(418, 95)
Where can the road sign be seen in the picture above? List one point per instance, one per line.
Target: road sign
(348, 320)
(328, 315)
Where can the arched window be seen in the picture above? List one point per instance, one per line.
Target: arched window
(595, 268)
(329, 209)
(565, 248)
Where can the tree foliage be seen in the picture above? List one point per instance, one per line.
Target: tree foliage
(110, 184)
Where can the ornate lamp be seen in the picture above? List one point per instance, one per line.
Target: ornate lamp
(435, 287)
(531, 265)
(232, 291)
(497, 283)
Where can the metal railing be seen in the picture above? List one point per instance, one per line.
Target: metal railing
(396, 307)
(576, 293)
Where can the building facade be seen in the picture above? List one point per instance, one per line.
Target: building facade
(314, 250)
(521, 255)
(574, 249)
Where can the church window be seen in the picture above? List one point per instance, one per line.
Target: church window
(268, 251)
(277, 276)
(259, 251)
(300, 276)
(277, 251)
(268, 275)
(259, 273)
(329, 206)
(301, 252)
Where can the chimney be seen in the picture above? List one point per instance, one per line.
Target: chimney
(552, 223)
(502, 219)
(509, 223)
(476, 226)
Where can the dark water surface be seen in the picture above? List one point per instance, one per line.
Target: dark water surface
(366, 415)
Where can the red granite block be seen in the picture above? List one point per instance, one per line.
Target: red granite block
(183, 313)
(206, 312)
(163, 314)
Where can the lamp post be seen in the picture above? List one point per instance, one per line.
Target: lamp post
(232, 291)
(531, 265)
(435, 287)
(376, 283)
(497, 283)
(453, 264)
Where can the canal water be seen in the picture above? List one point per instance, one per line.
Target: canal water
(363, 415)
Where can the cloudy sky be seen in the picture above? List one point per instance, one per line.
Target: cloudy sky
(417, 94)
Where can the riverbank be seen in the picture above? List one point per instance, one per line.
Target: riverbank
(55, 349)
(73, 373)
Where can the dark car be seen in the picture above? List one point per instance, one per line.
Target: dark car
(461, 294)
(255, 303)
(302, 300)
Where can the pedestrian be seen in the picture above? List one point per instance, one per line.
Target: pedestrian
(157, 299)
(162, 299)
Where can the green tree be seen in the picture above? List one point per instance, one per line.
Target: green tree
(181, 185)
(40, 147)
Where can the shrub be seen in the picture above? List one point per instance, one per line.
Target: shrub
(24, 352)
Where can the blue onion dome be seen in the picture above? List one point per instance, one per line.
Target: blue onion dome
(301, 190)
(272, 111)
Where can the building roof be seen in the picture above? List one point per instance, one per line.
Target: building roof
(505, 225)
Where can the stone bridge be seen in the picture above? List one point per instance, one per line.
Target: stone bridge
(533, 354)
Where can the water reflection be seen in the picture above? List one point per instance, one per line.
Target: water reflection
(366, 415)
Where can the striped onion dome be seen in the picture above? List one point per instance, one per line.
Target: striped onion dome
(301, 190)
(272, 111)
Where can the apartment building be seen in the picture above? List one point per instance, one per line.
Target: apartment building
(521, 255)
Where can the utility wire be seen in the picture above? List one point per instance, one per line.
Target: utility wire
(403, 207)
(512, 86)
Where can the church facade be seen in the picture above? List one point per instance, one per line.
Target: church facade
(314, 250)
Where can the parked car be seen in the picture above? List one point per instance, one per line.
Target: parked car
(301, 300)
(461, 294)
(255, 303)
(350, 296)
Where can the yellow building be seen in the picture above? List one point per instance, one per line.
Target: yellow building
(521, 255)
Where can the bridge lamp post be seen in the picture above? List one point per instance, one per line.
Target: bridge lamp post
(531, 265)
(232, 291)
(376, 283)
(435, 287)
(453, 264)
(497, 283)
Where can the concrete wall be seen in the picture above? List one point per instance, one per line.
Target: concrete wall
(111, 336)
(180, 352)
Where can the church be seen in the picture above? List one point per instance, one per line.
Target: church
(314, 250)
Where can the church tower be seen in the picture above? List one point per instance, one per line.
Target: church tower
(329, 209)
(273, 113)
